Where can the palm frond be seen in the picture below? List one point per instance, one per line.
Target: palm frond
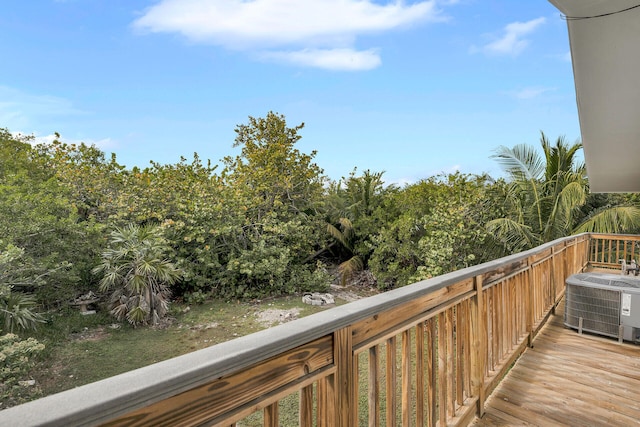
(349, 267)
(336, 234)
(522, 162)
(526, 167)
(616, 219)
(571, 198)
(513, 234)
(17, 310)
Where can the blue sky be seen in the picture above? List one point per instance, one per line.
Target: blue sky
(412, 88)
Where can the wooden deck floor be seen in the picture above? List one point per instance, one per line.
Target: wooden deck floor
(568, 379)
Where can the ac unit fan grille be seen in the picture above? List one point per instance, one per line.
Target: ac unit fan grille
(598, 308)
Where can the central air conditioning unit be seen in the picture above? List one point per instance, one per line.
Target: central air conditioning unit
(605, 304)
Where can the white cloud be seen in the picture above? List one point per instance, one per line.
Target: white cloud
(531, 92)
(330, 59)
(316, 32)
(513, 41)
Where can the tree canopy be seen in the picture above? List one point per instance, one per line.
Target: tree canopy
(266, 221)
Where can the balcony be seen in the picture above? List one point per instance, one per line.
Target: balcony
(428, 354)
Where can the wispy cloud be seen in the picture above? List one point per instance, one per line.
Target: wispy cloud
(531, 92)
(19, 110)
(331, 59)
(513, 39)
(22, 112)
(103, 144)
(314, 33)
(446, 171)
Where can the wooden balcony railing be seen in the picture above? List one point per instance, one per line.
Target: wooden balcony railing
(427, 354)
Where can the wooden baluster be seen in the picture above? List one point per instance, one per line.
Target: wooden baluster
(468, 344)
(451, 387)
(346, 377)
(374, 388)
(479, 350)
(529, 302)
(460, 329)
(271, 415)
(391, 383)
(420, 375)
(406, 377)
(431, 373)
(306, 406)
(326, 402)
(442, 369)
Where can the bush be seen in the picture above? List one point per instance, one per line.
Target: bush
(16, 359)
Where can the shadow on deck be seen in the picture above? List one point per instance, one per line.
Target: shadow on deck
(568, 379)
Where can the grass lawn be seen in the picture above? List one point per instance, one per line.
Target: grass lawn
(85, 348)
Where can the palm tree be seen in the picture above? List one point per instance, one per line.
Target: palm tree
(136, 267)
(16, 310)
(352, 205)
(345, 235)
(546, 194)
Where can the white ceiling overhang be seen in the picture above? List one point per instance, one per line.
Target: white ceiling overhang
(605, 51)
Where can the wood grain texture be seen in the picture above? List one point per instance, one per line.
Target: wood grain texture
(271, 417)
(432, 369)
(568, 379)
(420, 375)
(374, 387)
(406, 377)
(478, 355)
(442, 389)
(326, 401)
(391, 382)
(391, 319)
(306, 406)
(346, 400)
(212, 400)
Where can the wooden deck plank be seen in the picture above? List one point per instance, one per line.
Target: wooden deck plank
(588, 400)
(611, 384)
(568, 379)
(502, 419)
(518, 414)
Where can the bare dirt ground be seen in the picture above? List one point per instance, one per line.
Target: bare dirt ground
(359, 286)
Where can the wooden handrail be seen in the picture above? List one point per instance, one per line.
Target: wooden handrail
(430, 352)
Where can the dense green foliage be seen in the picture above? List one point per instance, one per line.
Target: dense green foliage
(73, 221)
(547, 194)
(17, 357)
(268, 223)
(441, 228)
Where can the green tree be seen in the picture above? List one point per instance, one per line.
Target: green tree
(277, 175)
(545, 197)
(38, 215)
(16, 308)
(136, 267)
(272, 225)
(94, 184)
(356, 208)
(441, 229)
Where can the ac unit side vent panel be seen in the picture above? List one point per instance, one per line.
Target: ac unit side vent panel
(607, 304)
